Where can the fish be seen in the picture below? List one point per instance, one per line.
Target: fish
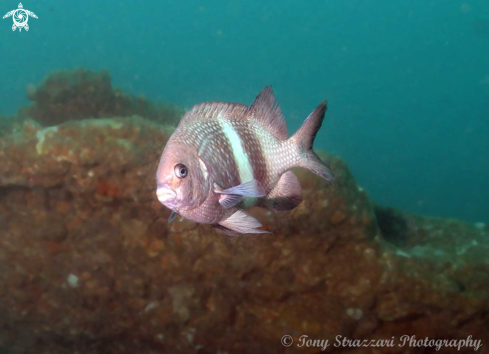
(224, 158)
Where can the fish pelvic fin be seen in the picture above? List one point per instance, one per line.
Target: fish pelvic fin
(303, 139)
(242, 223)
(172, 217)
(225, 231)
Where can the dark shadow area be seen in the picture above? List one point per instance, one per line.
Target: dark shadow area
(392, 224)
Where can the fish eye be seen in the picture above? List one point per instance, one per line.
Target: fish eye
(181, 170)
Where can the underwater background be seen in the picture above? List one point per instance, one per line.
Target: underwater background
(407, 81)
(396, 247)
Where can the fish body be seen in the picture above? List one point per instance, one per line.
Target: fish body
(226, 157)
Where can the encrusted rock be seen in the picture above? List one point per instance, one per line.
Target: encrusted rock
(89, 264)
(80, 94)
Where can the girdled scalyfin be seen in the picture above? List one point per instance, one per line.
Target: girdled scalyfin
(226, 157)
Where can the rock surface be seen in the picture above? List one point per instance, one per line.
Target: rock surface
(88, 263)
(78, 94)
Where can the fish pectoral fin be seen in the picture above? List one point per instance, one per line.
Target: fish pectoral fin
(286, 194)
(242, 223)
(229, 200)
(247, 189)
(172, 217)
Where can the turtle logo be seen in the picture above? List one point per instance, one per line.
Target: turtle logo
(20, 17)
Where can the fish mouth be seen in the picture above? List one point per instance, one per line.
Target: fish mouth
(165, 194)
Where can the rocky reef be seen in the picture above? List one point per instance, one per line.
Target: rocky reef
(88, 263)
(78, 94)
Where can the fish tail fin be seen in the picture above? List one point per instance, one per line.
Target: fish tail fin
(303, 140)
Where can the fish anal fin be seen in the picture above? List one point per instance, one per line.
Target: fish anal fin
(242, 223)
(266, 111)
(285, 196)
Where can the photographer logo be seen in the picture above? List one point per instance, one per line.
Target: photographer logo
(20, 17)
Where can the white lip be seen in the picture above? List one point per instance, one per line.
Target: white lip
(165, 194)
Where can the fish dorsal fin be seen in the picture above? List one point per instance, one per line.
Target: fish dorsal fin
(266, 111)
(214, 110)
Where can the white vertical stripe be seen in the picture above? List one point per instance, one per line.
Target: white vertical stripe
(203, 168)
(240, 156)
(204, 143)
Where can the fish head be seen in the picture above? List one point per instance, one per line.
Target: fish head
(181, 183)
